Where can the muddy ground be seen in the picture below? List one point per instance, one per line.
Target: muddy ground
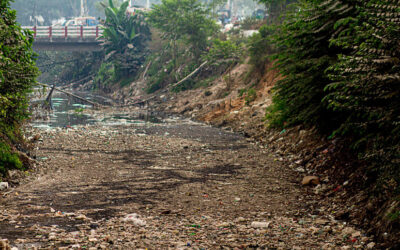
(157, 186)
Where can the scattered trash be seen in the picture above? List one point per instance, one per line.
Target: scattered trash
(337, 188)
(134, 218)
(3, 186)
(240, 219)
(81, 217)
(194, 225)
(224, 224)
(257, 224)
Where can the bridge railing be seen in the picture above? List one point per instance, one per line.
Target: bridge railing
(74, 32)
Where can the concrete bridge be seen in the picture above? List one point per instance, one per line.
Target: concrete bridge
(66, 38)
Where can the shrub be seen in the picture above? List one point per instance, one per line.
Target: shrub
(261, 46)
(8, 160)
(17, 75)
(251, 96)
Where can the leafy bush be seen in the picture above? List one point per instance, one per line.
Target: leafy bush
(340, 66)
(250, 96)
(224, 52)
(366, 87)
(106, 76)
(250, 23)
(304, 53)
(241, 92)
(17, 75)
(8, 160)
(260, 46)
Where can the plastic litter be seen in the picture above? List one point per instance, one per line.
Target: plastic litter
(134, 218)
(194, 225)
(3, 186)
(258, 224)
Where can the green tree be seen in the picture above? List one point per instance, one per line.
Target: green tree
(366, 86)
(17, 76)
(275, 8)
(125, 39)
(304, 53)
(340, 66)
(226, 54)
(187, 21)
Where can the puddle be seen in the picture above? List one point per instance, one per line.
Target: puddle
(71, 112)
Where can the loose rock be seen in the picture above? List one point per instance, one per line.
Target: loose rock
(310, 180)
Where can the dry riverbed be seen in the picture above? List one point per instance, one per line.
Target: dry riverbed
(158, 186)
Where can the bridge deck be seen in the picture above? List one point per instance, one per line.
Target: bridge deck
(70, 38)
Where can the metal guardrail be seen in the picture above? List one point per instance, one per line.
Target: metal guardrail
(66, 32)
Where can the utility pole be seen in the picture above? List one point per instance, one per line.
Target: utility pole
(84, 9)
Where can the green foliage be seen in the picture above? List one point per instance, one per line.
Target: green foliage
(184, 20)
(125, 39)
(8, 160)
(249, 23)
(250, 96)
(304, 53)
(105, 77)
(224, 52)
(17, 75)
(366, 86)
(261, 46)
(340, 66)
(186, 28)
(277, 7)
(241, 92)
(160, 72)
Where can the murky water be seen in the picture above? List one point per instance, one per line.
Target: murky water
(71, 112)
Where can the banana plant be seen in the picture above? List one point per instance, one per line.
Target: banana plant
(125, 36)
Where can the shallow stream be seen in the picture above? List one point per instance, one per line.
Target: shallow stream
(71, 112)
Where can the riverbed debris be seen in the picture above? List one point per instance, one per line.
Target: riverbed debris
(94, 194)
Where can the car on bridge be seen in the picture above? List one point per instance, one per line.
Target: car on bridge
(79, 21)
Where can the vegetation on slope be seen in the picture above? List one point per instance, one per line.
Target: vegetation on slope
(17, 75)
(340, 66)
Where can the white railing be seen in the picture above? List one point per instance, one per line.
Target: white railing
(49, 32)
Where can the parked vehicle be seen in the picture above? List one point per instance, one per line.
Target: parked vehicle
(81, 21)
(224, 16)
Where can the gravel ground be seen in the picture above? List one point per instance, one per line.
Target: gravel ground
(166, 186)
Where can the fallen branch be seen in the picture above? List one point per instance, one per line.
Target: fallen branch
(188, 76)
(68, 93)
(145, 71)
(165, 90)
